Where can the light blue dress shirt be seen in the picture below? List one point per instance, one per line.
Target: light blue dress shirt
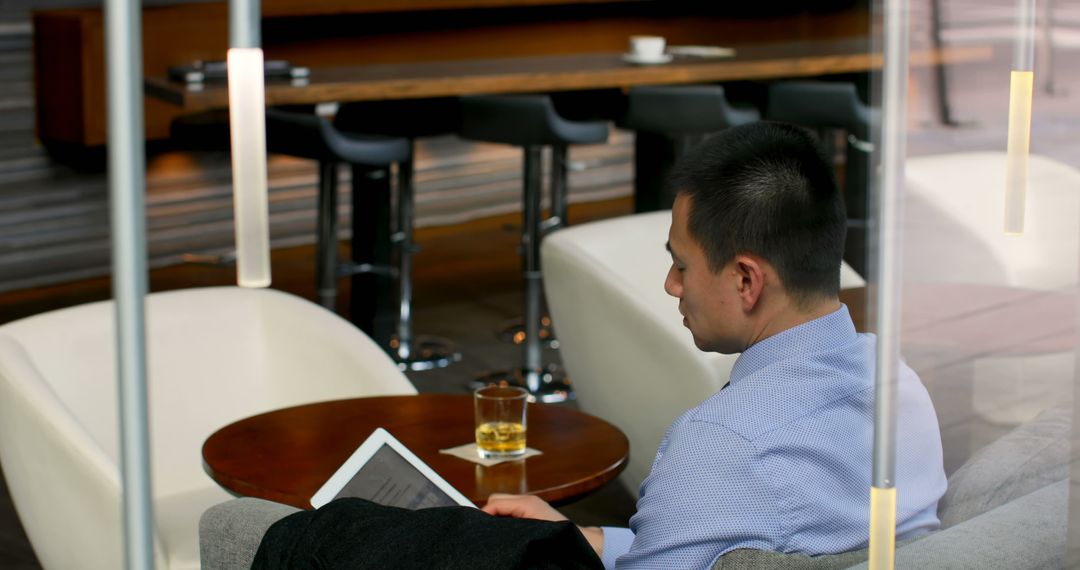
(780, 459)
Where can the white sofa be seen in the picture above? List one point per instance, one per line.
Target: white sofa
(622, 341)
(215, 355)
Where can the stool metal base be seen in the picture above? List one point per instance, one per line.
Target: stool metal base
(428, 353)
(514, 332)
(549, 384)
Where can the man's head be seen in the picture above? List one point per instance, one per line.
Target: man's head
(757, 234)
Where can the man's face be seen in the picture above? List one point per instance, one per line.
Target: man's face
(708, 301)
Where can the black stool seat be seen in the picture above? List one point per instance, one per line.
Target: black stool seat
(669, 120)
(409, 118)
(524, 120)
(679, 109)
(820, 104)
(206, 131)
(825, 106)
(306, 135)
(313, 137)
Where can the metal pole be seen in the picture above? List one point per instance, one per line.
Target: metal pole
(244, 24)
(326, 252)
(941, 80)
(1046, 46)
(1072, 532)
(127, 181)
(559, 189)
(893, 136)
(530, 243)
(405, 252)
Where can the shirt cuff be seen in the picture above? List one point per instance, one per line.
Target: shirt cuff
(617, 542)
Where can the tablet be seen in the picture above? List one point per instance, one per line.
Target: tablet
(382, 470)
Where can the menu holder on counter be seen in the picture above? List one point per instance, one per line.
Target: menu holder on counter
(213, 71)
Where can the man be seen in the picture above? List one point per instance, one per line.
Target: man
(780, 458)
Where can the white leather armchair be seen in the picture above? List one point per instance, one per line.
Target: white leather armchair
(621, 336)
(954, 233)
(215, 355)
(954, 212)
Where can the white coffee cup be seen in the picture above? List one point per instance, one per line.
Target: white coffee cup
(647, 47)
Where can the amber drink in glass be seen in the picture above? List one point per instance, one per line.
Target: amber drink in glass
(501, 423)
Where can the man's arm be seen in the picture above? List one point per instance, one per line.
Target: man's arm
(705, 495)
(533, 507)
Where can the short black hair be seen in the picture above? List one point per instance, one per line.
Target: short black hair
(766, 188)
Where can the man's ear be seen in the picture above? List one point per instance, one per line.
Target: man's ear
(750, 275)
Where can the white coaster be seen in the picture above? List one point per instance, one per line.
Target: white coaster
(468, 453)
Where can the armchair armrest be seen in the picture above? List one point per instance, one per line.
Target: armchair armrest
(230, 533)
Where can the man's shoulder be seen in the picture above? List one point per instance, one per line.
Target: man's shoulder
(791, 390)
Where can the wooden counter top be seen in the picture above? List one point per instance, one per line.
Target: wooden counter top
(553, 73)
(322, 34)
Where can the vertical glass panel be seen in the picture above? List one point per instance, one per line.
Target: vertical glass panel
(989, 243)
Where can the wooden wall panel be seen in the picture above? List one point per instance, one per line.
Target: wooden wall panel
(55, 113)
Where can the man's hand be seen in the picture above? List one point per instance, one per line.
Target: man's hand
(521, 507)
(533, 507)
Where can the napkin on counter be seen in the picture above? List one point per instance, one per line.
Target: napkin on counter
(701, 51)
(468, 453)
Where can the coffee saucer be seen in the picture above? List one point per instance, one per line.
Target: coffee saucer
(638, 60)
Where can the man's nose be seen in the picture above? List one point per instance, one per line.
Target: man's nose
(672, 286)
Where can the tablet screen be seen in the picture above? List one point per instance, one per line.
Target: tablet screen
(388, 479)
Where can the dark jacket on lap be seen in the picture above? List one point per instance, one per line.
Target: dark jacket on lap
(356, 534)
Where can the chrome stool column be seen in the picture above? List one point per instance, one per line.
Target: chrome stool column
(407, 119)
(531, 122)
(313, 137)
(515, 330)
(422, 352)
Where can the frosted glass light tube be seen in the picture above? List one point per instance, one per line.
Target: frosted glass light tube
(247, 117)
(1021, 90)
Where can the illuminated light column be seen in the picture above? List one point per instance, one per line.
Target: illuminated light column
(1021, 87)
(247, 119)
(893, 146)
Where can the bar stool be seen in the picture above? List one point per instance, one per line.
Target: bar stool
(407, 119)
(827, 107)
(670, 120)
(574, 106)
(531, 122)
(313, 137)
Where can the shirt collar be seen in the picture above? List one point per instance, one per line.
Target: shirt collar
(812, 336)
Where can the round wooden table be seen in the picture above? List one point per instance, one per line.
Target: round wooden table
(286, 455)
